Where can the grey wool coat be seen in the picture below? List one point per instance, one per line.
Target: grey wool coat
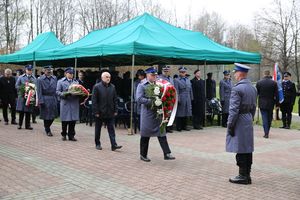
(185, 96)
(149, 126)
(46, 90)
(243, 97)
(21, 100)
(69, 106)
(225, 91)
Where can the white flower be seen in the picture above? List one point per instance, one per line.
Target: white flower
(156, 90)
(160, 111)
(157, 102)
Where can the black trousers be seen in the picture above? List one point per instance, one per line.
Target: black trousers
(181, 123)
(110, 128)
(244, 160)
(198, 121)
(224, 119)
(70, 126)
(286, 114)
(144, 145)
(27, 119)
(47, 124)
(5, 105)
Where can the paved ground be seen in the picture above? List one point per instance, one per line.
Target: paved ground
(34, 166)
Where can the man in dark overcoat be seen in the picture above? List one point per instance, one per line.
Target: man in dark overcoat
(46, 90)
(289, 94)
(198, 104)
(267, 98)
(69, 105)
(8, 95)
(21, 107)
(185, 96)
(225, 91)
(150, 124)
(166, 76)
(239, 138)
(104, 103)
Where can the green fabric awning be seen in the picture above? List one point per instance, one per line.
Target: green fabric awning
(43, 42)
(151, 40)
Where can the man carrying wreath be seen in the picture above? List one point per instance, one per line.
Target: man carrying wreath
(150, 124)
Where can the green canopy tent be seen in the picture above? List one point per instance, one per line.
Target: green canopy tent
(43, 42)
(151, 41)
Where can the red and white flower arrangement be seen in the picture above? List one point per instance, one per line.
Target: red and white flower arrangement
(164, 102)
(78, 90)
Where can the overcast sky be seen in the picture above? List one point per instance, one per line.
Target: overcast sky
(233, 11)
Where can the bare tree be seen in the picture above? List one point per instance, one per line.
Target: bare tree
(212, 25)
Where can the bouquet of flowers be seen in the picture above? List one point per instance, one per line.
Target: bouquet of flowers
(28, 91)
(78, 90)
(164, 102)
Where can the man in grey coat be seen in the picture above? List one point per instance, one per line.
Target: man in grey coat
(104, 101)
(69, 105)
(46, 90)
(150, 124)
(225, 91)
(240, 139)
(185, 97)
(21, 107)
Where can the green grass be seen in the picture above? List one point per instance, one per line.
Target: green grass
(277, 123)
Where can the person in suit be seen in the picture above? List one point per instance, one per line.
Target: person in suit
(104, 104)
(150, 124)
(8, 95)
(21, 107)
(210, 85)
(289, 94)
(239, 138)
(225, 91)
(166, 76)
(69, 105)
(47, 98)
(267, 98)
(185, 96)
(198, 104)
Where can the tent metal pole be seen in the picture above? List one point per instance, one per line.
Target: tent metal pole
(75, 68)
(132, 97)
(34, 67)
(205, 105)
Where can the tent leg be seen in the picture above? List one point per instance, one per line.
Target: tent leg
(132, 97)
(75, 68)
(34, 67)
(205, 104)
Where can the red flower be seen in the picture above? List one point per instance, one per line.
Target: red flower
(170, 107)
(173, 101)
(164, 98)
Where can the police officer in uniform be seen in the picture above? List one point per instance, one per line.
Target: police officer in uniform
(225, 91)
(150, 125)
(166, 76)
(21, 107)
(46, 89)
(185, 96)
(239, 138)
(289, 93)
(69, 105)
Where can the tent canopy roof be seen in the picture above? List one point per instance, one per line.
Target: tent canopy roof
(151, 40)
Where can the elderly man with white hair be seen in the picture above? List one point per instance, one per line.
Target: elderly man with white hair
(8, 95)
(104, 101)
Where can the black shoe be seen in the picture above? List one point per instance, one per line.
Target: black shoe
(169, 131)
(73, 139)
(49, 134)
(287, 127)
(145, 159)
(169, 157)
(178, 129)
(113, 148)
(64, 138)
(282, 127)
(98, 147)
(186, 129)
(34, 122)
(6, 123)
(29, 128)
(19, 127)
(240, 179)
(14, 123)
(266, 136)
(198, 127)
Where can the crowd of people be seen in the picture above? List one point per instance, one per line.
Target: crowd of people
(25, 93)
